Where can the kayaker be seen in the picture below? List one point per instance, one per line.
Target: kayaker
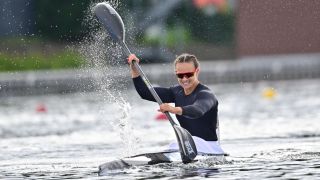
(196, 107)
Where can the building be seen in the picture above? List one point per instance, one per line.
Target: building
(277, 27)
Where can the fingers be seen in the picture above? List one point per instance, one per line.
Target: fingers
(132, 57)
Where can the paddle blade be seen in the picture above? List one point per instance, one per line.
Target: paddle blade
(188, 149)
(110, 20)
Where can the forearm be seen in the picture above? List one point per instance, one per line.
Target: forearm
(134, 71)
(177, 110)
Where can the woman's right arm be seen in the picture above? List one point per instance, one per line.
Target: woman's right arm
(165, 94)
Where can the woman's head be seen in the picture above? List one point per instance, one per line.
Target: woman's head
(187, 58)
(187, 70)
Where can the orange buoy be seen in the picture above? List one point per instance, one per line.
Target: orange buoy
(269, 93)
(161, 116)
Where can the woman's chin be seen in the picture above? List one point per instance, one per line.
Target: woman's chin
(185, 86)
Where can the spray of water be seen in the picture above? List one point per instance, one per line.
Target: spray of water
(105, 63)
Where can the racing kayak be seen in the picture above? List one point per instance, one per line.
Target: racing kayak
(155, 158)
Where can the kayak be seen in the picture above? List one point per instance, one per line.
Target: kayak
(154, 158)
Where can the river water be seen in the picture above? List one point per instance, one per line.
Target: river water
(269, 133)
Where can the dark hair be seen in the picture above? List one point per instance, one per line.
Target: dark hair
(186, 58)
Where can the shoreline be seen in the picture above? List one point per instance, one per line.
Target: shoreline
(249, 69)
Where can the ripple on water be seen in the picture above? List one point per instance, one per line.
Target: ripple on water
(206, 167)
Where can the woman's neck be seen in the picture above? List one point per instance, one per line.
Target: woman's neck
(191, 89)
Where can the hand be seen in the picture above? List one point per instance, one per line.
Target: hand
(134, 71)
(132, 57)
(165, 107)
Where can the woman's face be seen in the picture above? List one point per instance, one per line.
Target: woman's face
(188, 74)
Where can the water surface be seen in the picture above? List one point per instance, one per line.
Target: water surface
(274, 138)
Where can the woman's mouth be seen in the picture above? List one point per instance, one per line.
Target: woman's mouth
(186, 83)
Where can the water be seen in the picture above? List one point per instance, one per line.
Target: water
(266, 137)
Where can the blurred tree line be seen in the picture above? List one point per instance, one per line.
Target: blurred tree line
(63, 20)
(60, 19)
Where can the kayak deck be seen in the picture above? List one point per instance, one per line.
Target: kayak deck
(153, 158)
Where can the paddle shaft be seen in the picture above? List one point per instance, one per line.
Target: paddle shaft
(147, 82)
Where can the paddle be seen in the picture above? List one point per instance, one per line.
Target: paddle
(113, 23)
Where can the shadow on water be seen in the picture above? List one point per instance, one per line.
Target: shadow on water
(164, 170)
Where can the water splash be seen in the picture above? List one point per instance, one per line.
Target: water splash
(105, 63)
(125, 129)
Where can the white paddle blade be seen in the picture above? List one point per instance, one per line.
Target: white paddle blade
(110, 20)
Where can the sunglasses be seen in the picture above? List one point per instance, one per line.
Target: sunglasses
(187, 75)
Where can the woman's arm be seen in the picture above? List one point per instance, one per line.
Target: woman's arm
(165, 107)
(205, 100)
(165, 94)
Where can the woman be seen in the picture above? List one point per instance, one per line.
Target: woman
(196, 107)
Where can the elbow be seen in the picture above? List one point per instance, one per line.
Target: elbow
(143, 95)
(140, 93)
(192, 114)
(197, 115)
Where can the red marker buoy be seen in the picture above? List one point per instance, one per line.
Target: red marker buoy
(161, 116)
(41, 108)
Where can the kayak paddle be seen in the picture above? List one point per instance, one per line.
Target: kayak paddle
(113, 23)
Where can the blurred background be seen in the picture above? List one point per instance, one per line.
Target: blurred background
(54, 35)
(159, 29)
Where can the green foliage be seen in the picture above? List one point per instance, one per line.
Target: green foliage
(38, 61)
(60, 19)
(218, 29)
(172, 38)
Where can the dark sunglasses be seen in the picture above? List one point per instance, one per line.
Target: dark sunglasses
(188, 75)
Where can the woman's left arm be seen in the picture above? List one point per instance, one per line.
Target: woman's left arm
(205, 100)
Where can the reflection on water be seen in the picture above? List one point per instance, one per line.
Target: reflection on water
(273, 137)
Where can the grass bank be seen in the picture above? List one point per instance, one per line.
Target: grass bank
(36, 61)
